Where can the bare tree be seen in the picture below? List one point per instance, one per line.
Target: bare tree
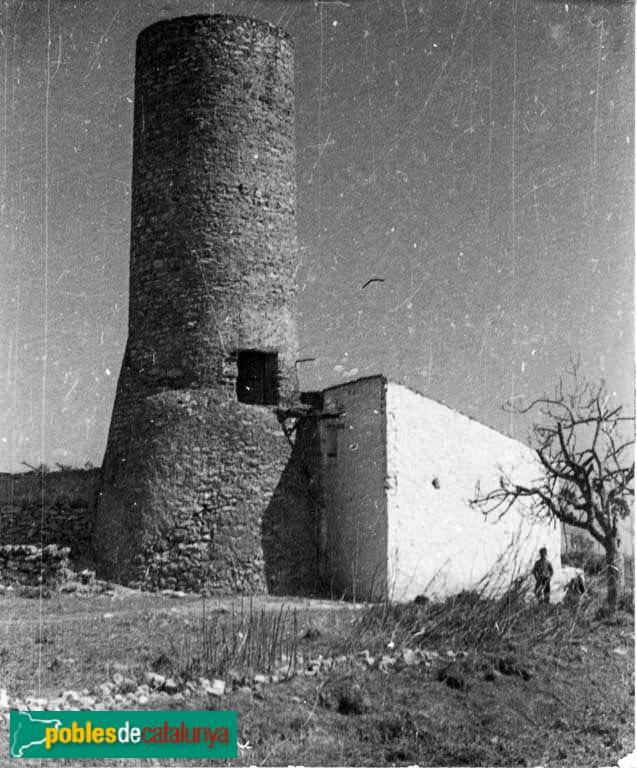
(585, 445)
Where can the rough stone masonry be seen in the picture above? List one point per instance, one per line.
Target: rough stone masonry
(195, 454)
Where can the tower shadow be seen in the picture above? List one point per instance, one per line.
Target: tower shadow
(290, 523)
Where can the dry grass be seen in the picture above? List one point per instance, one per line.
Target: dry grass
(245, 641)
(573, 707)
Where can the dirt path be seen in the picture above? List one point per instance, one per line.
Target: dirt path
(53, 610)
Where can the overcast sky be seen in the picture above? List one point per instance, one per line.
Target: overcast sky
(476, 155)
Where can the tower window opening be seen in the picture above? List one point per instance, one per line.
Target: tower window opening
(257, 377)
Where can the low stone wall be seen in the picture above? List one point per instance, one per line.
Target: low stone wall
(28, 565)
(54, 508)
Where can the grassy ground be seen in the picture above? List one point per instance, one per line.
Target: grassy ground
(472, 682)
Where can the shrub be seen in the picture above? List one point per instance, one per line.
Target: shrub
(592, 563)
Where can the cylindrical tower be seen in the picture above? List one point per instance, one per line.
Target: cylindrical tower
(195, 450)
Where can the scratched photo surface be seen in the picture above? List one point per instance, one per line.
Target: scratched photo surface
(464, 214)
(477, 160)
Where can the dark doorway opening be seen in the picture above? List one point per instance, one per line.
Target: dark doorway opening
(257, 379)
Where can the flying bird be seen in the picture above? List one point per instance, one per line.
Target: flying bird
(373, 280)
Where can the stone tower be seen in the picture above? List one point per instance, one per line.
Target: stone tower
(195, 450)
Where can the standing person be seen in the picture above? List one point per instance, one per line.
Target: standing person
(542, 572)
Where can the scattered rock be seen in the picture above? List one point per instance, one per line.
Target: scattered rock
(345, 695)
(384, 663)
(128, 685)
(492, 675)
(170, 686)
(35, 592)
(311, 669)
(409, 657)
(105, 690)
(155, 680)
(285, 671)
(509, 665)
(86, 576)
(453, 676)
(366, 657)
(421, 600)
(36, 703)
(33, 568)
(71, 696)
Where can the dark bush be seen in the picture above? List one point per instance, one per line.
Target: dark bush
(592, 563)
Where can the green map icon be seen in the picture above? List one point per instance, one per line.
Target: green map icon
(28, 730)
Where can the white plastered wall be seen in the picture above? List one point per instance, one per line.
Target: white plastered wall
(437, 543)
(354, 521)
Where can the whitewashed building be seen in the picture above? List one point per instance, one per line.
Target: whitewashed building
(397, 473)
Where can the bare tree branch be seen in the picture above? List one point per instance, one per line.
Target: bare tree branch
(585, 446)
